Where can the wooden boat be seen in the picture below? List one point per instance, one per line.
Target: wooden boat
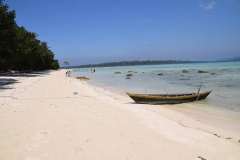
(168, 98)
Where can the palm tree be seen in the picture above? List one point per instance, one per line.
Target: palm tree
(65, 63)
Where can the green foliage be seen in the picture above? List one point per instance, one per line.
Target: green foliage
(19, 48)
(7, 33)
(132, 63)
(65, 63)
(55, 64)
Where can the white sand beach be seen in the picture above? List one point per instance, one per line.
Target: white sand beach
(57, 117)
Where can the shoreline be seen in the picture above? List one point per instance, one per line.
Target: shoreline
(222, 127)
(55, 117)
(210, 115)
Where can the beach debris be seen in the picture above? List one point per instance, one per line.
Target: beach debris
(128, 78)
(83, 78)
(201, 71)
(185, 71)
(182, 75)
(128, 75)
(216, 135)
(160, 74)
(117, 73)
(129, 71)
(201, 158)
(135, 72)
(228, 138)
(75, 93)
(142, 72)
(213, 73)
(239, 141)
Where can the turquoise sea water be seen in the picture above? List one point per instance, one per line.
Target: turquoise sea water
(225, 83)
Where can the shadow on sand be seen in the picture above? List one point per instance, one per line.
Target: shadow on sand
(5, 82)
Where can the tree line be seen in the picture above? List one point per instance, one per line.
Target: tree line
(19, 48)
(131, 63)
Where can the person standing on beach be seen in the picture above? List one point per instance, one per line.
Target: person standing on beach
(66, 73)
(69, 73)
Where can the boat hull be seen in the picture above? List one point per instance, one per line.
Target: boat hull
(167, 99)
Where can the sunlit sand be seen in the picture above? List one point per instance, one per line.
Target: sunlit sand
(58, 117)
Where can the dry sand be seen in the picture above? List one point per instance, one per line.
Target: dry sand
(42, 118)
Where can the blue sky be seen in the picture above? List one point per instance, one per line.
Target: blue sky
(97, 31)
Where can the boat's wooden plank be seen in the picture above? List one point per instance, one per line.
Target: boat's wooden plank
(167, 99)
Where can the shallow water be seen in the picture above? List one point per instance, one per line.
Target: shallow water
(222, 77)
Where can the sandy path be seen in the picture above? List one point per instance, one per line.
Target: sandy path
(48, 121)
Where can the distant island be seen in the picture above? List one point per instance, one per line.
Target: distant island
(147, 62)
(131, 63)
(229, 59)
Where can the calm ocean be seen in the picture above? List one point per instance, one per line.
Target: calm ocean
(223, 78)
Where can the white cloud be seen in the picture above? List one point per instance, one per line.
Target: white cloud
(208, 6)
